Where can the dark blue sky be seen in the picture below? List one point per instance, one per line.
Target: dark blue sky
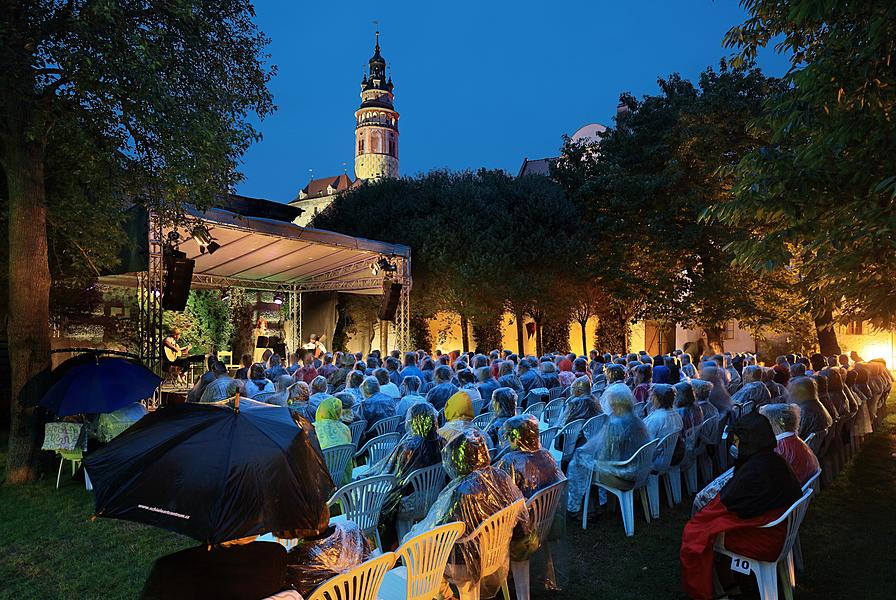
(477, 83)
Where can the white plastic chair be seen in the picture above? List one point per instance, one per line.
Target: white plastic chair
(493, 539)
(546, 437)
(813, 483)
(570, 433)
(552, 411)
(536, 409)
(709, 435)
(542, 507)
(482, 420)
(376, 449)
(686, 468)
(662, 461)
(388, 425)
(638, 409)
(643, 457)
(361, 502)
(426, 484)
(361, 583)
(337, 458)
(424, 557)
(594, 424)
(767, 572)
(357, 428)
(554, 393)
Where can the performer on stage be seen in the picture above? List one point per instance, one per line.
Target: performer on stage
(315, 345)
(175, 358)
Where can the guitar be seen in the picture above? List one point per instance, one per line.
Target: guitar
(173, 355)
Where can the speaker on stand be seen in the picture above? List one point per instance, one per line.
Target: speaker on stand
(178, 277)
(391, 297)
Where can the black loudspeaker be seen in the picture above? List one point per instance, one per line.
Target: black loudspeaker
(178, 276)
(391, 294)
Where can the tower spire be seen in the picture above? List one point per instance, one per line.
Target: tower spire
(376, 129)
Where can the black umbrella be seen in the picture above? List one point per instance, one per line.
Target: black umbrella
(213, 473)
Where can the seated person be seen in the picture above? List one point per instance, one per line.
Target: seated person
(580, 404)
(217, 389)
(549, 374)
(760, 490)
(503, 407)
(718, 396)
(353, 383)
(785, 420)
(338, 549)
(687, 407)
(350, 409)
(664, 419)
(642, 378)
(753, 389)
(443, 389)
(702, 390)
(618, 440)
(410, 394)
(529, 376)
(331, 431)
(477, 491)
(376, 405)
(281, 391)
(110, 425)
(466, 380)
(257, 382)
(318, 394)
(386, 385)
(458, 415)
(507, 378)
(487, 383)
(814, 418)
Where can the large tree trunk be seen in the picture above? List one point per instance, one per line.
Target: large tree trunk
(538, 348)
(520, 342)
(827, 336)
(464, 333)
(583, 325)
(714, 339)
(29, 300)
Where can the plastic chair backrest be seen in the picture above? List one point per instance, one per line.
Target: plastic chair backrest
(379, 447)
(552, 411)
(747, 408)
(709, 431)
(542, 507)
(570, 433)
(812, 482)
(263, 396)
(643, 458)
(425, 556)
(361, 501)
(794, 517)
(387, 425)
(546, 437)
(62, 435)
(426, 484)
(535, 409)
(554, 393)
(565, 392)
(358, 428)
(482, 420)
(664, 451)
(337, 458)
(594, 424)
(638, 409)
(814, 440)
(493, 538)
(361, 583)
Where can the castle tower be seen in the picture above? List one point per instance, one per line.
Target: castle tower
(376, 123)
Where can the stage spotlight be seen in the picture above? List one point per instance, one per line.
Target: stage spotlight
(278, 297)
(383, 264)
(204, 240)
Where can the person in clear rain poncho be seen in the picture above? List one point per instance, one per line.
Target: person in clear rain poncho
(458, 415)
(503, 407)
(618, 440)
(814, 417)
(331, 431)
(376, 405)
(785, 420)
(580, 405)
(687, 407)
(664, 419)
(421, 447)
(476, 492)
(753, 390)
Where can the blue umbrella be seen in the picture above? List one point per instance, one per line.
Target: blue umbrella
(100, 385)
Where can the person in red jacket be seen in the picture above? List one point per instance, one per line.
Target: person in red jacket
(762, 488)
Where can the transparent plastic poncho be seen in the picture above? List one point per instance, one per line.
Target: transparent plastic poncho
(313, 561)
(532, 469)
(503, 406)
(377, 407)
(458, 415)
(814, 417)
(477, 491)
(581, 405)
(755, 391)
(420, 447)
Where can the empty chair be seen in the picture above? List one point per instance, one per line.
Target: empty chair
(426, 484)
(594, 424)
(570, 433)
(63, 438)
(388, 425)
(337, 459)
(376, 449)
(643, 458)
(361, 583)
(662, 460)
(767, 572)
(493, 540)
(542, 506)
(424, 558)
(358, 428)
(552, 411)
(536, 409)
(361, 502)
(546, 437)
(482, 420)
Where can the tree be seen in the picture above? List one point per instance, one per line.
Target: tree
(818, 196)
(159, 91)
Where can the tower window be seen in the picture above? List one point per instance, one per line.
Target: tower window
(361, 145)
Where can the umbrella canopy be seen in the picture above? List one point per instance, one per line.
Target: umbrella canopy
(99, 385)
(213, 473)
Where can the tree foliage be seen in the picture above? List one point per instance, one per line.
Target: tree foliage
(819, 193)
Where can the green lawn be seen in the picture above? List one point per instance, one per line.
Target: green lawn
(51, 549)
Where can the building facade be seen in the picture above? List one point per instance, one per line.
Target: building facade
(376, 123)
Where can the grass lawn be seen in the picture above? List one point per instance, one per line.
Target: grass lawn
(51, 549)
